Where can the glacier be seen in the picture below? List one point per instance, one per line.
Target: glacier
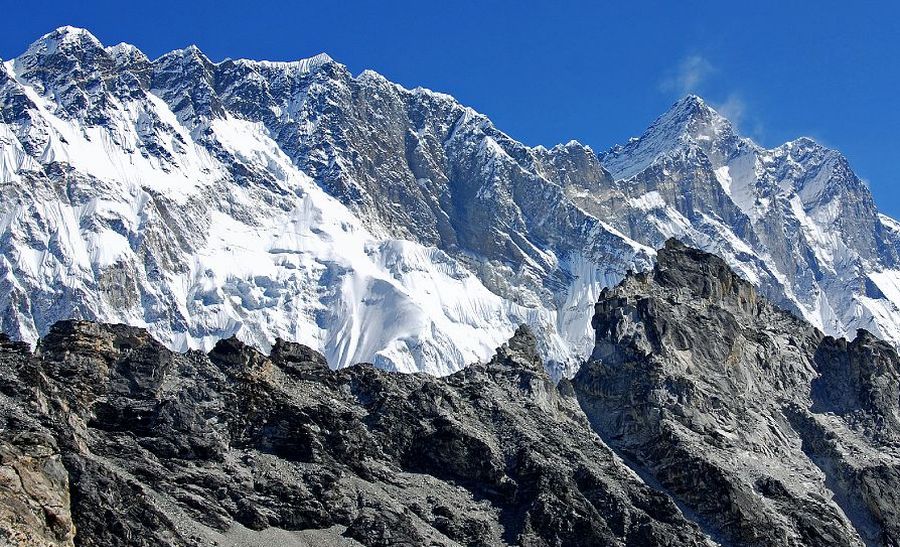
(261, 199)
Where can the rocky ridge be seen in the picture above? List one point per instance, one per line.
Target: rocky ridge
(132, 444)
(770, 432)
(705, 415)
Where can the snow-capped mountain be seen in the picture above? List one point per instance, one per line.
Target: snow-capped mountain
(294, 200)
(795, 220)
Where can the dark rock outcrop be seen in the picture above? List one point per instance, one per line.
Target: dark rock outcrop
(763, 429)
(137, 445)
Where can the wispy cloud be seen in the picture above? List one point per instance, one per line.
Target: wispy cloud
(733, 108)
(695, 74)
(688, 76)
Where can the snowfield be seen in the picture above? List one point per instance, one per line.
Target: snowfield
(260, 199)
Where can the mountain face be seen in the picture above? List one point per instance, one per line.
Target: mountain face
(705, 416)
(795, 220)
(132, 444)
(374, 223)
(762, 428)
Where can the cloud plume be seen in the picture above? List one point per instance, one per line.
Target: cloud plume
(688, 76)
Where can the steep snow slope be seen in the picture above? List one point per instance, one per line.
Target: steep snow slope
(374, 222)
(127, 200)
(302, 267)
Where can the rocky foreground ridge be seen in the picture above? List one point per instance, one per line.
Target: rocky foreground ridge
(705, 415)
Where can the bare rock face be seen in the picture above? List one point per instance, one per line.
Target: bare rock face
(143, 446)
(34, 485)
(764, 430)
(706, 415)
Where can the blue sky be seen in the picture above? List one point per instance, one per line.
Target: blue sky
(548, 72)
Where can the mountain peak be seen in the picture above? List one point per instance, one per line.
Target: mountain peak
(687, 267)
(68, 32)
(691, 108)
(184, 56)
(60, 54)
(690, 121)
(691, 102)
(62, 38)
(125, 54)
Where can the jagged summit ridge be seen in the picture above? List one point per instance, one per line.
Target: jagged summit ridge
(299, 66)
(207, 199)
(66, 38)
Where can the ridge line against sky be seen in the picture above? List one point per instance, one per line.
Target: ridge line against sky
(547, 74)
